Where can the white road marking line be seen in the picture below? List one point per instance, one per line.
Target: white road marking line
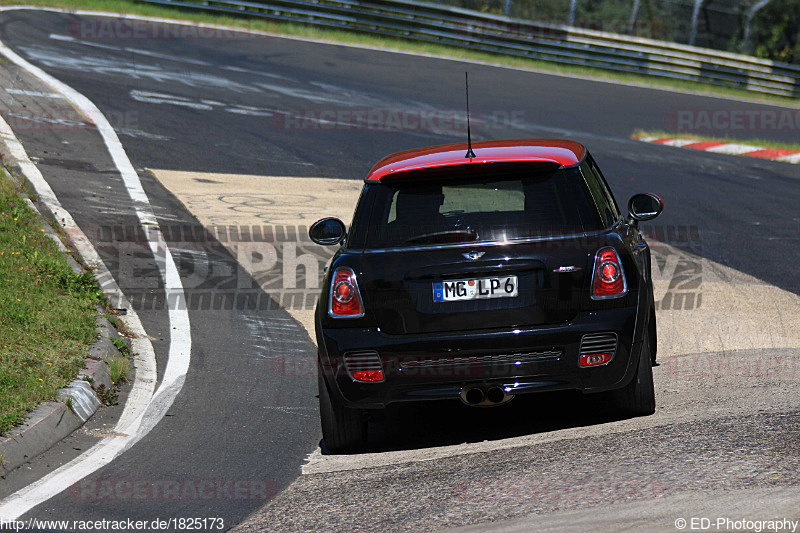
(132, 132)
(67, 38)
(256, 72)
(249, 112)
(792, 158)
(150, 97)
(160, 98)
(37, 94)
(133, 68)
(145, 362)
(168, 57)
(137, 418)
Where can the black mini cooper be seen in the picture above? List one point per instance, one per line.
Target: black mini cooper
(481, 278)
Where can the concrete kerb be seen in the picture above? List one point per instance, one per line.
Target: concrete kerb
(51, 422)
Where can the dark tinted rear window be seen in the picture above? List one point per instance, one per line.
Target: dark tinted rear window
(604, 201)
(511, 205)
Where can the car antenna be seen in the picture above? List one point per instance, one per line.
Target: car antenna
(470, 153)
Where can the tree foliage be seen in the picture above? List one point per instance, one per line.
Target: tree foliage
(776, 31)
(722, 23)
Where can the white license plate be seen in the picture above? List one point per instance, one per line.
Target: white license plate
(474, 289)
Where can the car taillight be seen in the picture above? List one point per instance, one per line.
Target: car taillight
(345, 300)
(608, 280)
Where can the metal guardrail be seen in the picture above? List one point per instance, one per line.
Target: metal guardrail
(484, 32)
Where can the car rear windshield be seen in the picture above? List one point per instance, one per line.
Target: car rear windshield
(491, 206)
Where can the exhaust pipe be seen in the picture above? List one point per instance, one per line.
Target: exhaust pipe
(472, 396)
(495, 395)
(484, 395)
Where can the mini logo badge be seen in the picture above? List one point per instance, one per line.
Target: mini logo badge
(473, 255)
(567, 269)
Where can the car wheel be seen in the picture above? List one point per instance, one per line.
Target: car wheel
(343, 429)
(638, 398)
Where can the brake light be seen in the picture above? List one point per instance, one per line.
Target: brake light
(594, 359)
(368, 375)
(608, 280)
(345, 300)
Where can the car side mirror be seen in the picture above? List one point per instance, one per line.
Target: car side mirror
(328, 231)
(644, 206)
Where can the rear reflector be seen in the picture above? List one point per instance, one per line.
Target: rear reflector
(595, 359)
(597, 349)
(368, 375)
(364, 366)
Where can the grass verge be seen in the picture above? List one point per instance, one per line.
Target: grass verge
(793, 147)
(47, 312)
(119, 368)
(307, 31)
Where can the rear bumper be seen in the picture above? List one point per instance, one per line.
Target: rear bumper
(525, 360)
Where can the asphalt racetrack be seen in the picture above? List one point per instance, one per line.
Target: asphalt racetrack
(242, 131)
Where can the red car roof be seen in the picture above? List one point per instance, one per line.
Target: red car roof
(547, 151)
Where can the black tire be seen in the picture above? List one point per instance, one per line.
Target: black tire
(653, 335)
(638, 398)
(343, 429)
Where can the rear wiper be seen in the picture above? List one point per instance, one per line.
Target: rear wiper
(445, 237)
